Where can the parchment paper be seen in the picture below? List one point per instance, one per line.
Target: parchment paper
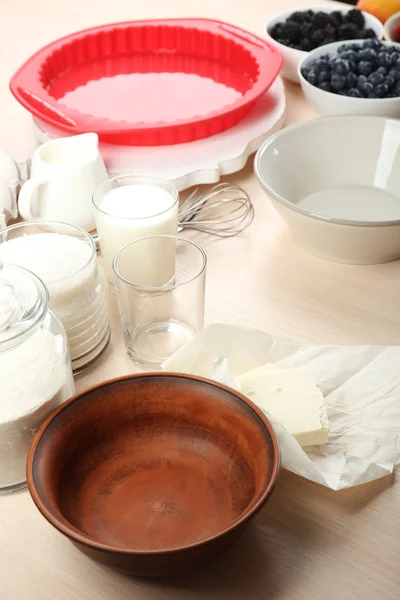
(361, 386)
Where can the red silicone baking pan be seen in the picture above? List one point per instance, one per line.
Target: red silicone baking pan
(148, 83)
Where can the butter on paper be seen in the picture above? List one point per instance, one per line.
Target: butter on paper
(292, 397)
(360, 384)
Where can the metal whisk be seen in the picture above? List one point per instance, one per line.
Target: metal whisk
(224, 210)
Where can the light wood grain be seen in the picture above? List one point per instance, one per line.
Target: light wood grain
(308, 542)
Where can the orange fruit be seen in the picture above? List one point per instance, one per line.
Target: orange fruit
(382, 9)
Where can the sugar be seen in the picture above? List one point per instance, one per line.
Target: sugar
(68, 267)
(52, 256)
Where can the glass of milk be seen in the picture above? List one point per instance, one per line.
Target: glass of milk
(130, 207)
(160, 284)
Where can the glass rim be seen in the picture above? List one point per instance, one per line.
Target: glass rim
(167, 287)
(43, 292)
(85, 234)
(155, 181)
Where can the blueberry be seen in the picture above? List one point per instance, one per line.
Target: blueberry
(312, 77)
(390, 49)
(364, 67)
(354, 56)
(332, 61)
(338, 82)
(376, 78)
(342, 49)
(351, 79)
(382, 70)
(361, 81)
(324, 76)
(341, 66)
(354, 93)
(395, 74)
(372, 95)
(320, 65)
(325, 86)
(384, 59)
(398, 88)
(367, 89)
(395, 58)
(372, 43)
(390, 82)
(368, 54)
(382, 90)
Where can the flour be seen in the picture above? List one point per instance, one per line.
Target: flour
(68, 267)
(35, 379)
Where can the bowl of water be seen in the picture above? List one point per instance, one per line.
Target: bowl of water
(335, 181)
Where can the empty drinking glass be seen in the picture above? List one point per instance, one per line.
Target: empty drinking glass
(160, 284)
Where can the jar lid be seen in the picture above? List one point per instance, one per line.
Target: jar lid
(23, 304)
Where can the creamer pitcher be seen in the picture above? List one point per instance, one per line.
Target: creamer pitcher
(64, 174)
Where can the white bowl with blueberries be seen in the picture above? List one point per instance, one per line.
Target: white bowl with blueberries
(297, 32)
(361, 77)
(335, 181)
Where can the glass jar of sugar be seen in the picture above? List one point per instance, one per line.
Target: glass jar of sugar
(64, 257)
(35, 368)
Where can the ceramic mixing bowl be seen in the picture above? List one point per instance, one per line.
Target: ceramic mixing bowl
(329, 104)
(292, 57)
(153, 474)
(335, 181)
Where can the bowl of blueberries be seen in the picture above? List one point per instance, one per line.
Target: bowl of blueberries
(298, 32)
(361, 77)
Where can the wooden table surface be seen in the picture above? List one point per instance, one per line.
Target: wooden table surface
(308, 542)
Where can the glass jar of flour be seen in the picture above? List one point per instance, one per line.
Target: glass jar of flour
(35, 368)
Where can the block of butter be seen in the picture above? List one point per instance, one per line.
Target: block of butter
(292, 397)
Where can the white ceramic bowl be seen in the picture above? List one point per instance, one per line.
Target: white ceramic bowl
(335, 181)
(391, 28)
(292, 57)
(329, 104)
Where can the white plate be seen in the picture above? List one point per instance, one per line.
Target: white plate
(202, 161)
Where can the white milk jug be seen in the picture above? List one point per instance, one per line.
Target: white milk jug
(64, 174)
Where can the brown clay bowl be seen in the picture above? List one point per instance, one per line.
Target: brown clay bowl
(153, 474)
